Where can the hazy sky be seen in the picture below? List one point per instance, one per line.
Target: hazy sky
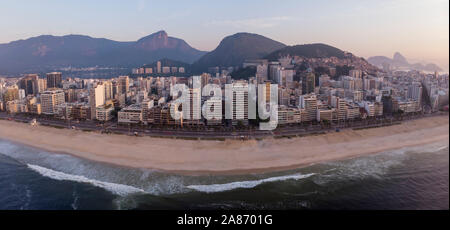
(419, 29)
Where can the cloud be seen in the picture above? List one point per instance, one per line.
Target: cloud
(268, 22)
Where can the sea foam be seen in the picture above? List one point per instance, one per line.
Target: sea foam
(244, 184)
(118, 189)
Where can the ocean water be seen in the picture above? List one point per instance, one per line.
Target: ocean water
(409, 178)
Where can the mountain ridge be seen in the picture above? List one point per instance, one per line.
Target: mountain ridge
(52, 52)
(399, 61)
(314, 50)
(48, 52)
(233, 50)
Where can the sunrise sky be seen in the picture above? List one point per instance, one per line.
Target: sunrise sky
(416, 28)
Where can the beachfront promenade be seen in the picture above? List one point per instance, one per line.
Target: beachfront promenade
(220, 132)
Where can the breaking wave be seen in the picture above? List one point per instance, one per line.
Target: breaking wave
(118, 189)
(244, 184)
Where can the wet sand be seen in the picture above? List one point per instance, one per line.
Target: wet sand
(226, 157)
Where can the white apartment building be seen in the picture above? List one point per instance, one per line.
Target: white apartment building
(96, 99)
(104, 112)
(239, 107)
(353, 111)
(341, 107)
(288, 115)
(50, 100)
(409, 106)
(192, 114)
(141, 96)
(130, 115)
(373, 108)
(325, 114)
(309, 104)
(415, 91)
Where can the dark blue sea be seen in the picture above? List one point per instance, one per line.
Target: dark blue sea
(409, 178)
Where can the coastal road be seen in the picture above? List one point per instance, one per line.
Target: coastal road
(207, 133)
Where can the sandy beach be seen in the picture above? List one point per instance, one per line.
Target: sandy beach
(226, 157)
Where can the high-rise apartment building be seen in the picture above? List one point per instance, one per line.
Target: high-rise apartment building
(50, 100)
(124, 85)
(108, 90)
(30, 83)
(355, 73)
(54, 80)
(274, 72)
(341, 107)
(42, 85)
(11, 94)
(96, 99)
(415, 91)
(71, 95)
(308, 83)
(239, 107)
(195, 106)
(308, 103)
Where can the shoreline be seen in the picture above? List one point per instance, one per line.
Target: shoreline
(206, 157)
